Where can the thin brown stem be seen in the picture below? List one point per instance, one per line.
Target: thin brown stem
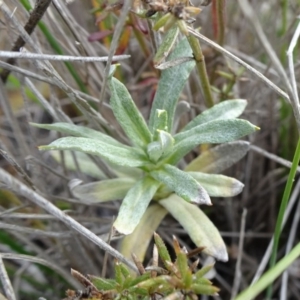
(35, 16)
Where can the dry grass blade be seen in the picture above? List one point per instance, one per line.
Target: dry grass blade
(38, 56)
(37, 232)
(273, 157)
(19, 188)
(8, 111)
(241, 62)
(41, 261)
(238, 272)
(26, 73)
(37, 13)
(114, 43)
(23, 34)
(6, 284)
(252, 17)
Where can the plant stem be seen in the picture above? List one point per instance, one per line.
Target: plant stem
(35, 16)
(284, 202)
(140, 37)
(201, 67)
(220, 13)
(56, 47)
(284, 12)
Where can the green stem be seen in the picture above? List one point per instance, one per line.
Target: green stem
(220, 5)
(284, 10)
(141, 40)
(201, 67)
(284, 202)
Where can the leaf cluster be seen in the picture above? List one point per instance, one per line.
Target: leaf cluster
(155, 150)
(175, 280)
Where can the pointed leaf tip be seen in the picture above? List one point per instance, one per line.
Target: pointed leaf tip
(135, 204)
(183, 184)
(200, 229)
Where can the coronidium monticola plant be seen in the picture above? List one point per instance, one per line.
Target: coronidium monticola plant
(146, 170)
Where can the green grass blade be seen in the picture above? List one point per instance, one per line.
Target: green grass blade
(269, 277)
(283, 205)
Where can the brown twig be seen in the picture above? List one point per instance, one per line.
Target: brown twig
(35, 16)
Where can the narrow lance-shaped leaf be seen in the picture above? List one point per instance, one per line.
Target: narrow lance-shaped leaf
(104, 190)
(162, 147)
(182, 263)
(89, 167)
(181, 108)
(219, 158)
(154, 151)
(166, 141)
(214, 184)
(166, 45)
(124, 156)
(218, 185)
(171, 84)
(139, 240)
(203, 271)
(162, 250)
(118, 273)
(201, 230)
(204, 289)
(80, 131)
(160, 122)
(229, 109)
(219, 131)
(128, 115)
(102, 284)
(85, 163)
(135, 204)
(183, 184)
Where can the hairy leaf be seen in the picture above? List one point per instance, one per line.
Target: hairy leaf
(171, 84)
(135, 204)
(139, 240)
(219, 131)
(89, 167)
(85, 163)
(166, 45)
(218, 185)
(201, 230)
(128, 114)
(183, 184)
(154, 151)
(80, 131)
(104, 190)
(219, 158)
(160, 122)
(229, 109)
(124, 156)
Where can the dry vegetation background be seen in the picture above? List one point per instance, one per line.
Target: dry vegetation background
(44, 237)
